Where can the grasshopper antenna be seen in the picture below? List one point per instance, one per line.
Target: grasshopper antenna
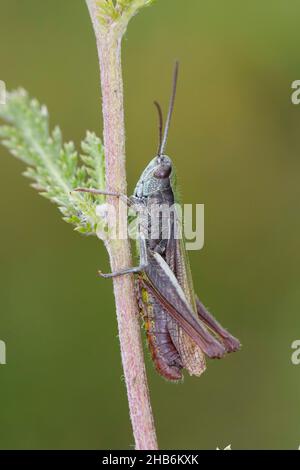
(160, 126)
(171, 106)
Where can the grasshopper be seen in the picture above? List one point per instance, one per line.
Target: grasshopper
(179, 329)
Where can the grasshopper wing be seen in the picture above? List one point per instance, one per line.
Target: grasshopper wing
(177, 259)
(161, 281)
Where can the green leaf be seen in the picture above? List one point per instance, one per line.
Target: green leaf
(55, 167)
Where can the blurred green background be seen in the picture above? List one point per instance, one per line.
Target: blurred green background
(235, 142)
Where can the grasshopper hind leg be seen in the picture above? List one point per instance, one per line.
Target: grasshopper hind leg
(163, 351)
(164, 354)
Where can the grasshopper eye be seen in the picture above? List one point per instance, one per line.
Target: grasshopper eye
(163, 171)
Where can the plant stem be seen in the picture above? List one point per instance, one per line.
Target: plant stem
(109, 39)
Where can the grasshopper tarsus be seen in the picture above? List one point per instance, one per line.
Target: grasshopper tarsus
(122, 272)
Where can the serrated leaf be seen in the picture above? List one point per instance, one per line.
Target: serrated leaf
(54, 167)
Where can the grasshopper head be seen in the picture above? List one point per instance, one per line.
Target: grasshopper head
(155, 178)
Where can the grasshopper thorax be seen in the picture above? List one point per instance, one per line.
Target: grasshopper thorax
(155, 178)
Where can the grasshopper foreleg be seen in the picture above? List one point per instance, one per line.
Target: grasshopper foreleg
(121, 196)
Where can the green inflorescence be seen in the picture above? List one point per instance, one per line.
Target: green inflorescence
(118, 10)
